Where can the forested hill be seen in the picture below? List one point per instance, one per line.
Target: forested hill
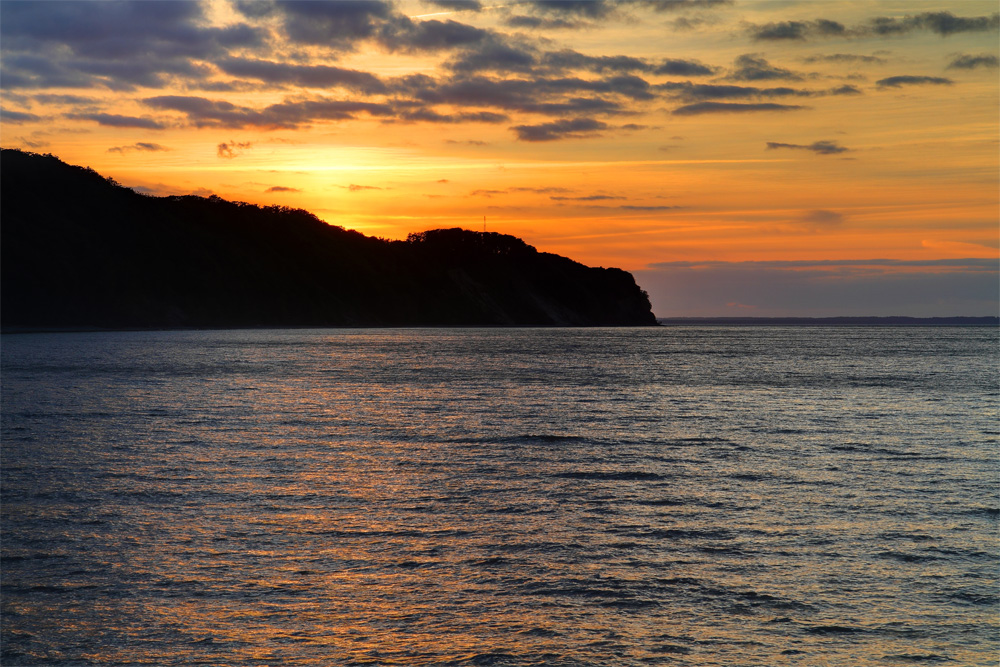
(79, 250)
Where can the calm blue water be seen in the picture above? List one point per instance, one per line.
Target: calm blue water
(681, 496)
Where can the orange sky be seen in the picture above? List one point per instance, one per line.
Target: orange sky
(649, 134)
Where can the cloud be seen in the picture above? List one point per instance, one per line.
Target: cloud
(18, 117)
(116, 120)
(573, 60)
(540, 23)
(942, 23)
(818, 147)
(459, 5)
(682, 5)
(587, 198)
(334, 25)
(751, 67)
(313, 76)
(964, 61)
(203, 112)
(822, 218)
(232, 149)
(560, 129)
(140, 146)
(707, 91)
(281, 188)
(358, 188)
(900, 81)
(674, 67)
(589, 8)
(846, 58)
(545, 95)
(796, 30)
(116, 45)
(700, 108)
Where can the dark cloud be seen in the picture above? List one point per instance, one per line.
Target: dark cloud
(432, 35)
(679, 5)
(431, 116)
(140, 146)
(118, 45)
(18, 117)
(495, 56)
(846, 58)
(706, 91)
(942, 23)
(900, 81)
(568, 59)
(973, 61)
(281, 188)
(540, 22)
(751, 67)
(545, 95)
(845, 90)
(700, 108)
(818, 147)
(675, 67)
(116, 120)
(589, 8)
(232, 149)
(75, 100)
(336, 25)
(796, 30)
(314, 76)
(564, 128)
(202, 112)
(459, 5)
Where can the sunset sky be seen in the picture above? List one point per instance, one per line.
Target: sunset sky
(744, 157)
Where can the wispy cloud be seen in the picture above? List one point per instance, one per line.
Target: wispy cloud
(964, 61)
(231, 149)
(701, 108)
(140, 146)
(907, 80)
(560, 129)
(818, 147)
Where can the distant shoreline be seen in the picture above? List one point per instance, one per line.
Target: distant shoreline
(892, 321)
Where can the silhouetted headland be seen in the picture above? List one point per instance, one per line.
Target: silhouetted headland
(80, 251)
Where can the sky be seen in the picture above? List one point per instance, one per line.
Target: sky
(739, 157)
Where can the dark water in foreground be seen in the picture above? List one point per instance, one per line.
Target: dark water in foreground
(685, 496)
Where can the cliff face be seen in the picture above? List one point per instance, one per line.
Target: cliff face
(79, 250)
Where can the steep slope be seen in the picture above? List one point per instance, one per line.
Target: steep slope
(79, 250)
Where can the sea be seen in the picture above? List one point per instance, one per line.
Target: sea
(611, 496)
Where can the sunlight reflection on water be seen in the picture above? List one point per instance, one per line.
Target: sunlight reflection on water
(524, 497)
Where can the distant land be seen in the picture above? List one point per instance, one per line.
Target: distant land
(832, 321)
(80, 251)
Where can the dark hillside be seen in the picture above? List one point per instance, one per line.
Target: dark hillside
(78, 250)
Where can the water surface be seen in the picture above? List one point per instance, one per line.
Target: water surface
(682, 496)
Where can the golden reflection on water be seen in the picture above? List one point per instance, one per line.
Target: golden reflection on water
(406, 498)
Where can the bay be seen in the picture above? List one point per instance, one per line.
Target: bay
(688, 496)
